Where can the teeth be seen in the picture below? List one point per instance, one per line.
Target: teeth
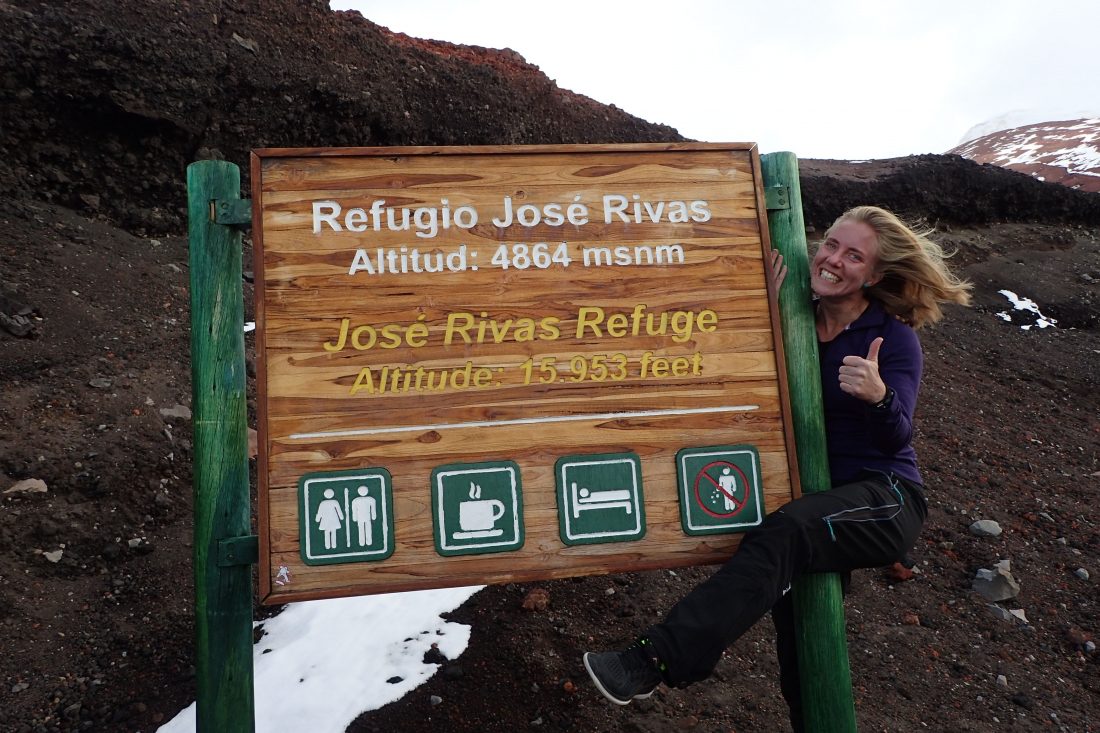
(828, 276)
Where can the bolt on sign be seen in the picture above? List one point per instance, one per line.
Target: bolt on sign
(496, 364)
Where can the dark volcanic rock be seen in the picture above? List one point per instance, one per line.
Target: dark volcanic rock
(103, 106)
(940, 189)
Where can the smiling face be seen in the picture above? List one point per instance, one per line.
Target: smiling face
(846, 260)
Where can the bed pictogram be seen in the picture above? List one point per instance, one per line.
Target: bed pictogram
(599, 498)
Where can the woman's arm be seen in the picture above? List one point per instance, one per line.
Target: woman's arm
(900, 363)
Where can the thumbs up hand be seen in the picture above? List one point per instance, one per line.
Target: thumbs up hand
(859, 376)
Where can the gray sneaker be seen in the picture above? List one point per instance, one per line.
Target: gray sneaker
(623, 676)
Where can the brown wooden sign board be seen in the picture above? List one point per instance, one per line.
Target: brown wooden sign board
(497, 364)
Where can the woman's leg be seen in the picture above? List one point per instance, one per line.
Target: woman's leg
(786, 650)
(864, 524)
(691, 639)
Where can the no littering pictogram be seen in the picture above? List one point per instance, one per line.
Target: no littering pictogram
(719, 489)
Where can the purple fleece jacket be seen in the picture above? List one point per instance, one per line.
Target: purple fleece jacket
(859, 436)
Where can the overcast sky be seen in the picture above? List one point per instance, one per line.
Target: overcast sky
(823, 78)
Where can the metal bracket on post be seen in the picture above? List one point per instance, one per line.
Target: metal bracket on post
(777, 198)
(238, 551)
(232, 212)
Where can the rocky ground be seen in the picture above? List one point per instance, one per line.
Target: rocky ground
(101, 107)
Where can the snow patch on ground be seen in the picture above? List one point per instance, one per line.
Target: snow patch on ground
(320, 664)
(1027, 310)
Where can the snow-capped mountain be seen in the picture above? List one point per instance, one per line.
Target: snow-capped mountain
(1066, 152)
(1021, 117)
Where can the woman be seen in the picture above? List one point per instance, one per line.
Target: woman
(875, 282)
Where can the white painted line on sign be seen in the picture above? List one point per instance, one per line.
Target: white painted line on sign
(523, 421)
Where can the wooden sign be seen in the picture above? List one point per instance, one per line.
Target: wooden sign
(497, 364)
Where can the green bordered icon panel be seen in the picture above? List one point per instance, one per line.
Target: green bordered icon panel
(345, 516)
(720, 489)
(477, 508)
(599, 498)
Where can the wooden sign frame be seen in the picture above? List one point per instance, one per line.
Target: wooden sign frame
(533, 321)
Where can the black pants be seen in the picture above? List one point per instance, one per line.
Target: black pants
(869, 523)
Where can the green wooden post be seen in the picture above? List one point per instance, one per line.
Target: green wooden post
(223, 586)
(818, 601)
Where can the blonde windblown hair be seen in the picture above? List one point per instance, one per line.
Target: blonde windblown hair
(915, 277)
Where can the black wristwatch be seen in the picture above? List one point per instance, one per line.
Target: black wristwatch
(885, 402)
